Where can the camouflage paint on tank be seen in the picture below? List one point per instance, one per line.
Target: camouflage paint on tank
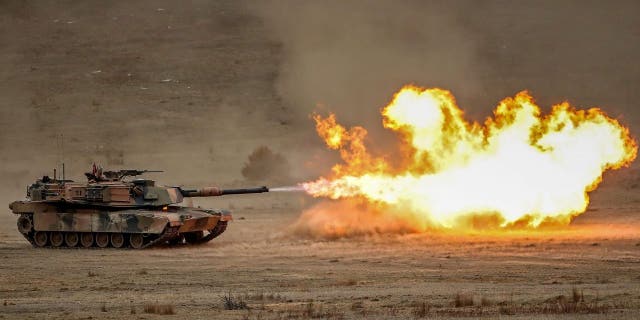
(145, 213)
(130, 221)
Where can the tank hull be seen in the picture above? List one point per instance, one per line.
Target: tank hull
(58, 225)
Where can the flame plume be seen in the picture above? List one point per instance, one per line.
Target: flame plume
(520, 168)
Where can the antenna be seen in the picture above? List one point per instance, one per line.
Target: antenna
(62, 147)
(60, 143)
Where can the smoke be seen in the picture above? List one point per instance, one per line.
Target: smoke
(350, 56)
(287, 189)
(348, 218)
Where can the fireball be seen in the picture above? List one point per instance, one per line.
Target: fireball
(520, 168)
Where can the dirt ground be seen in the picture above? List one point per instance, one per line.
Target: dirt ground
(194, 88)
(517, 276)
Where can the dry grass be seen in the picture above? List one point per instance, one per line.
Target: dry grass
(230, 302)
(360, 308)
(486, 302)
(421, 310)
(275, 297)
(463, 300)
(307, 310)
(347, 283)
(261, 296)
(464, 306)
(577, 295)
(560, 306)
(311, 310)
(163, 309)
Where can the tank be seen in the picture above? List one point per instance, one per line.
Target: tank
(115, 209)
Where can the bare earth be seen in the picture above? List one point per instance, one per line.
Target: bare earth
(194, 89)
(514, 276)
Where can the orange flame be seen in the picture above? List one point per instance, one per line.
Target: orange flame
(520, 168)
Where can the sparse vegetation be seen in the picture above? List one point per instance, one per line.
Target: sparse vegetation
(347, 282)
(392, 310)
(421, 310)
(577, 295)
(275, 297)
(263, 163)
(360, 308)
(485, 302)
(231, 302)
(463, 300)
(261, 296)
(142, 272)
(574, 304)
(558, 305)
(103, 308)
(163, 309)
(91, 274)
(317, 311)
(308, 310)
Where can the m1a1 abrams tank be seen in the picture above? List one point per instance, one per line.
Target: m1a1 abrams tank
(113, 210)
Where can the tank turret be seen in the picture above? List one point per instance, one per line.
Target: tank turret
(111, 210)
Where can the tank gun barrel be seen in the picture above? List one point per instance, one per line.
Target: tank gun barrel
(245, 190)
(214, 191)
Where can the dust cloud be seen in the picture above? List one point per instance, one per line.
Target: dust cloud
(194, 89)
(349, 57)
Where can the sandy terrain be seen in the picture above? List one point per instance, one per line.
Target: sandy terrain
(194, 89)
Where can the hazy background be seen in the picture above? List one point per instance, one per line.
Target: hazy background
(194, 87)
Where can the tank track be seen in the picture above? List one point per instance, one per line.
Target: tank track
(216, 231)
(169, 234)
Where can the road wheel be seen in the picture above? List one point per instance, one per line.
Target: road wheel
(40, 238)
(117, 240)
(176, 241)
(71, 239)
(25, 224)
(193, 237)
(102, 239)
(136, 240)
(86, 239)
(57, 238)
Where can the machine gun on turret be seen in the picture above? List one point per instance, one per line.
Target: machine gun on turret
(98, 175)
(120, 174)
